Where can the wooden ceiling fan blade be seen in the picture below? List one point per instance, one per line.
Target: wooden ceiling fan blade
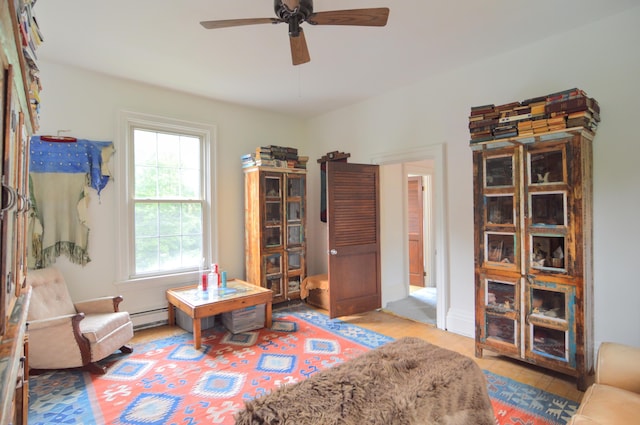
(373, 17)
(299, 50)
(226, 23)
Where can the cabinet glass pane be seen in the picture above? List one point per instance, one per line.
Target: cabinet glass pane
(500, 247)
(294, 211)
(272, 211)
(500, 297)
(499, 171)
(294, 284)
(272, 187)
(296, 187)
(273, 263)
(500, 210)
(273, 236)
(294, 233)
(548, 304)
(546, 167)
(9, 253)
(501, 328)
(275, 284)
(549, 342)
(547, 252)
(548, 209)
(295, 261)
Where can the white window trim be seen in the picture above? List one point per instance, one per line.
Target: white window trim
(124, 192)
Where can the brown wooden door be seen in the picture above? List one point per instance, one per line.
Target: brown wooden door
(353, 206)
(416, 233)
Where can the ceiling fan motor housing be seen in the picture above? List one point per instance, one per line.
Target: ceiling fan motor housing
(299, 13)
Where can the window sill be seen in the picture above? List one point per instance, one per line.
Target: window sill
(178, 279)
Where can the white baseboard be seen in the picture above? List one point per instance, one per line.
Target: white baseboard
(461, 322)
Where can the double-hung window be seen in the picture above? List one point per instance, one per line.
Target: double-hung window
(167, 219)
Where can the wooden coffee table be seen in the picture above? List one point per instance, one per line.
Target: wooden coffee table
(196, 304)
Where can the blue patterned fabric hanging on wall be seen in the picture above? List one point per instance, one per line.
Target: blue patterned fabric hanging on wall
(61, 176)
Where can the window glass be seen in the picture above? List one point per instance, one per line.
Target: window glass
(166, 230)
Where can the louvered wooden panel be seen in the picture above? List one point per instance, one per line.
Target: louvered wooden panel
(357, 225)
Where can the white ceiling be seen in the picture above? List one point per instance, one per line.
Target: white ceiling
(161, 42)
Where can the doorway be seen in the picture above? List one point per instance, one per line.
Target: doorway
(423, 292)
(395, 250)
(420, 303)
(415, 219)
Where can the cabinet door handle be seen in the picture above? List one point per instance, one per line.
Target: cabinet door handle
(23, 204)
(333, 252)
(9, 197)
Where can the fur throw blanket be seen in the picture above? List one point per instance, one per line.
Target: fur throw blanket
(407, 381)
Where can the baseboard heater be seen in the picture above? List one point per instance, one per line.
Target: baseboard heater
(150, 318)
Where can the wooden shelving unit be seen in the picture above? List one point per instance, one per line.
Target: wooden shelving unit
(19, 87)
(275, 229)
(533, 253)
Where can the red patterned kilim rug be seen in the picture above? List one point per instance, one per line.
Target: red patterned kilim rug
(168, 382)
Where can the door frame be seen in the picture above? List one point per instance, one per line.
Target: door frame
(436, 153)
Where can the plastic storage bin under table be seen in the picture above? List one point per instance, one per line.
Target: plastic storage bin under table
(198, 305)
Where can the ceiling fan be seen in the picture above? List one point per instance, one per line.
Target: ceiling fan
(295, 12)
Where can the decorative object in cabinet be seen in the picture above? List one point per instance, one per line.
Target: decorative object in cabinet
(533, 232)
(275, 229)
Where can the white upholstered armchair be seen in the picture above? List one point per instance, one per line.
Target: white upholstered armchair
(67, 335)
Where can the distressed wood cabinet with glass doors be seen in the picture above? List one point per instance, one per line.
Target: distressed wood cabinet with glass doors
(533, 235)
(275, 229)
(19, 86)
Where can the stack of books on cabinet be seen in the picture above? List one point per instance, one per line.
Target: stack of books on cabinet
(556, 111)
(275, 156)
(30, 38)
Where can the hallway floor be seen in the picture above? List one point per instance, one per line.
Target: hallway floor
(420, 305)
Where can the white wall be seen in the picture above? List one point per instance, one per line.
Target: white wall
(88, 104)
(604, 60)
(393, 195)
